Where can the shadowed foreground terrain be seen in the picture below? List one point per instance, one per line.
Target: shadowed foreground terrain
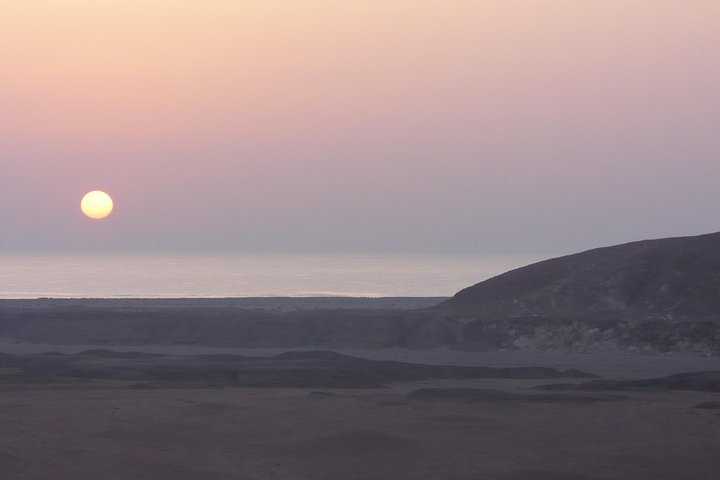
(322, 415)
(291, 369)
(708, 381)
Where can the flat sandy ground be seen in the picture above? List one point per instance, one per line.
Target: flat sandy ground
(605, 364)
(109, 431)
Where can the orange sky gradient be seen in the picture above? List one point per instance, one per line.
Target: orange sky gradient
(373, 125)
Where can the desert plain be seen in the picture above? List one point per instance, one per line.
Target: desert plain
(162, 411)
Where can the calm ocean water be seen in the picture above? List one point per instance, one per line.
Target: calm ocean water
(246, 275)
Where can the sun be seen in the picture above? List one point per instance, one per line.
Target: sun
(96, 204)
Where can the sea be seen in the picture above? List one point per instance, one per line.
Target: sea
(247, 274)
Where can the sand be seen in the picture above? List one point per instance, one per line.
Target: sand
(287, 434)
(185, 416)
(64, 428)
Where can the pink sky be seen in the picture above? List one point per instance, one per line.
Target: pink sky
(468, 126)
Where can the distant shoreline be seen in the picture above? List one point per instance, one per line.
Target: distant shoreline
(248, 275)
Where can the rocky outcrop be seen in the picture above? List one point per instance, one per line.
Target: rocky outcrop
(673, 279)
(653, 295)
(587, 334)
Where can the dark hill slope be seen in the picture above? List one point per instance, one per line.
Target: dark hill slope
(676, 279)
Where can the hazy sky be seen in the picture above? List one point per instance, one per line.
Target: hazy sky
(373, 125)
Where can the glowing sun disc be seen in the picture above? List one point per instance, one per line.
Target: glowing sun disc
(96, 204)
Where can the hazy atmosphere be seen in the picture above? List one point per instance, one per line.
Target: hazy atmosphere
(356, 240)
(480, 127)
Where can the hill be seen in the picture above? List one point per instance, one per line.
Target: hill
(652, 295)
(673, 279)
